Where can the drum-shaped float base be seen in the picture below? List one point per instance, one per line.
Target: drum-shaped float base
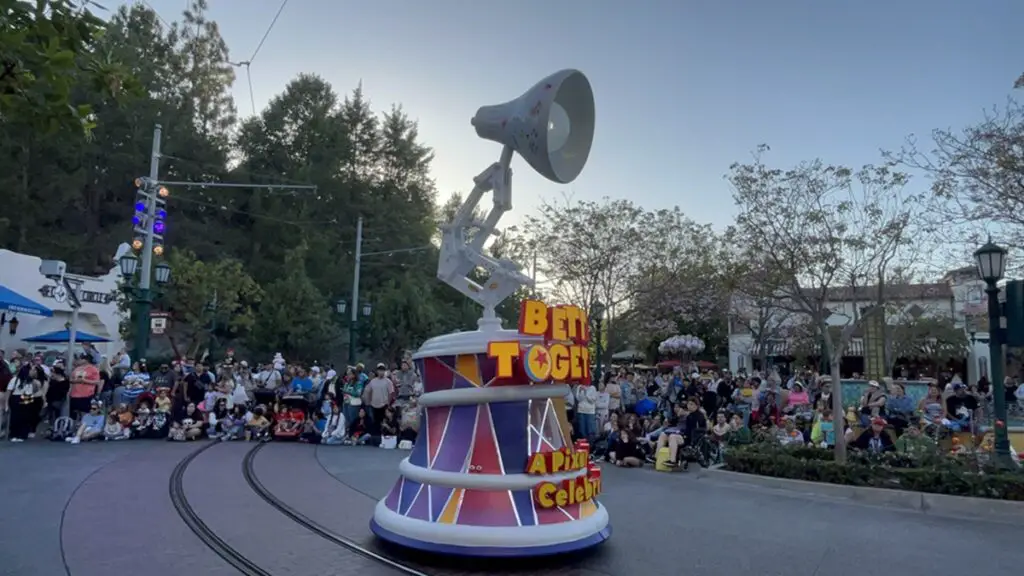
(487, 541)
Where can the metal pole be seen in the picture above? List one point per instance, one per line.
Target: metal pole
(599, 378)
(995, 354)
(143, 298)
(354, 318)
(69, 366)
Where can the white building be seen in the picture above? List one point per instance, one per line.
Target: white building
(98, 315)
(959, 296)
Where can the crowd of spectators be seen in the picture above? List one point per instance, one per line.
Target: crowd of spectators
(121, 399)
(630, 415)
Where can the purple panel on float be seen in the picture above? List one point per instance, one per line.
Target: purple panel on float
(451, 456)
(409, 492)
(421, 507)
(510, 428)
(392, 499)
(438, 498)
(462, 382)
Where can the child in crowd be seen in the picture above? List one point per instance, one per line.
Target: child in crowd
(359, 429)
(334, 429)
(627, 451)
(113, 430)
(125, 416)
(257, 427)
(215, 417)
(140, 427)
(233, 427)
(409, 422)
(163, 401)
(721, 430)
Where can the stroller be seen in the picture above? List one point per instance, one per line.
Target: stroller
(290, 417)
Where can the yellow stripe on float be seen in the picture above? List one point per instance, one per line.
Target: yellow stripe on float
(452, 508)
(466, 366)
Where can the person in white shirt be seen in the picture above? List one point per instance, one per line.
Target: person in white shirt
(586, 408)
(603, 402)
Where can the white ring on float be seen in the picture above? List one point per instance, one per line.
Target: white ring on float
(481, 481)
(503, 536)
(490, 395)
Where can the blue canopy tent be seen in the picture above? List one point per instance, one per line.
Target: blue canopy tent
(11, 301)
(61, 336)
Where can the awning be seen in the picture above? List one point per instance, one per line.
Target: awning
(62, 336)
(772, 349)
(14, 302)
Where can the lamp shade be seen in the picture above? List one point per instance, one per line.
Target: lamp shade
(551, 125)
(129, 264)
(162, 271)
(597, 310)
(367, 308)
(340, 306)
(991, 261)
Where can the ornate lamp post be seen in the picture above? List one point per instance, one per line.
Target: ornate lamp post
(340, 307)
(138, 288)
(991, 261)
(597, 315)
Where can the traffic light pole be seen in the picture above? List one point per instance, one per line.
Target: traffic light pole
(143, 297)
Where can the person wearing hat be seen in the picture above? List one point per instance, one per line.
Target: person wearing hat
(875, 439)
(379, 393)
(961, 408)
(872, 403)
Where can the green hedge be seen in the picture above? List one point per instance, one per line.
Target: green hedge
(898, 471)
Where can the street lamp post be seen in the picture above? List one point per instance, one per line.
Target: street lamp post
(340, 306)
(597, 314)
(991, 261)
(138, 287)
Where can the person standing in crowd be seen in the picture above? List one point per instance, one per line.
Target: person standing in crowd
(85, 386)
(56, 392)
(586, 408)
(352, 394)
(379, 393)
(26, 400)
(407, 378)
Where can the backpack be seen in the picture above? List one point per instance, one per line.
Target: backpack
(62, 429)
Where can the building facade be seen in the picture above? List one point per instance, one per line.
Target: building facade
(98, 315)
(959, 298)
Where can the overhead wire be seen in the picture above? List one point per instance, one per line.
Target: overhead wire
(248, 63)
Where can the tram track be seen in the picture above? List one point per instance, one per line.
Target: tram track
(249, 473)
(176, 488)
(237, 559)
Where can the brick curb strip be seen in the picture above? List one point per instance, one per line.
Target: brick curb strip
(937, 504)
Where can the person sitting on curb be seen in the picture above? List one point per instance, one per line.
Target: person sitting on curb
(92, 426)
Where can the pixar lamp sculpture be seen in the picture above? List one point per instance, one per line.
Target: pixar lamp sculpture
(494, 471)
(551, 126)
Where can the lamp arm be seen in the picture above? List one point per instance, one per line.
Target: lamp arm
(461, 255)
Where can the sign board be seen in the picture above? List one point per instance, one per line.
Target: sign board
(85, 296)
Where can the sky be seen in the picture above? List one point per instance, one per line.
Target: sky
(683, 88)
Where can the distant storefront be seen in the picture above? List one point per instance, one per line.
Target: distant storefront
(98, 315)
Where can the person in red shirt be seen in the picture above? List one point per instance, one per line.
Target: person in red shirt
(85, 382)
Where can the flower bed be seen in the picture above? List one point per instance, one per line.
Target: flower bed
(936, 475)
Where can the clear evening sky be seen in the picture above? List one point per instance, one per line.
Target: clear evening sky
(683, 88)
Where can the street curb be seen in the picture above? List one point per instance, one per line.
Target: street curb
(936, 504)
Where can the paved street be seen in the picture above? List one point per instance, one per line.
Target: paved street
(117, 517)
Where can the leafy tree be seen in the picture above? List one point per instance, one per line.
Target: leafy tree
(294, 318)
(822, 228)
(48, 49)
(925, 336)
(209, 299)
(977, 179)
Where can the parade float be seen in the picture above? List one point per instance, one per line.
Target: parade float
(494, 471)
